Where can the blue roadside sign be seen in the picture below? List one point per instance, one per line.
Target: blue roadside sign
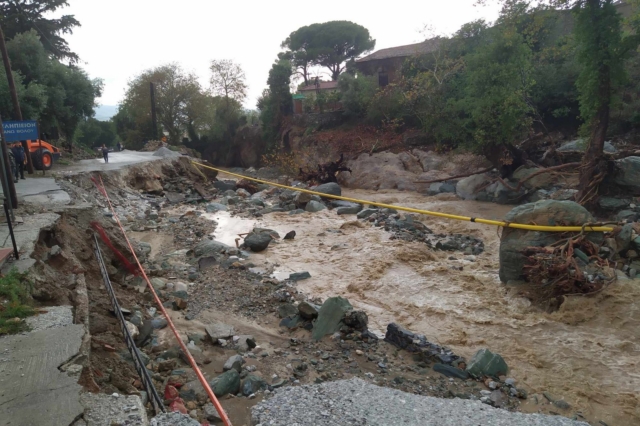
(15, 131)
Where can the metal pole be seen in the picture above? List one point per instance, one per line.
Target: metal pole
(7, 181)
(14, 97)
(10, 225)
(154, 116)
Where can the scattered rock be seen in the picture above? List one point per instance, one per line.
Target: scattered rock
(253, 384)
(486, 363)
(245, 342)
(290, 235)
(229, 185)
(330, 317)
(357, 320)
(412, 342)
(450, 371)
(628, 173)
(330, 188)
(210, 248)
(219, 330)
(466, 188)
(215, 207)
(210, 413)
(257, 242)
(314, 206)
(613, 204)
(226, 383)
(366, 213)
(308, 310)
(299, 276)
(235, 362)
(287, 310)
(580, 145)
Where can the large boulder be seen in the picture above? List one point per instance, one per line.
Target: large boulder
(486, 363)
(580, 145)
(314, 206)
(540, 181)
(545, 212)
(466, 188)
(330, 188)
(330, 317)
(219, 330)
(628, 173)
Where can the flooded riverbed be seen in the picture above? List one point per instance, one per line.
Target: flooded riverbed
(586, 353)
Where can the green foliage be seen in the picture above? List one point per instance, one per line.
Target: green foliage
(601, 54)
(14, 302)
(21, 16)
(94, 133)
(179, 98)
(59, 96)
(356, 94)
(330, 44)
(276, 102)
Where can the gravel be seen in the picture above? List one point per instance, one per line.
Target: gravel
(356, 402)
(173, 419)
(107, 410)
(56, 316)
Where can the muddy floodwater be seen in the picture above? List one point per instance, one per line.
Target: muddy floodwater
(586, 353)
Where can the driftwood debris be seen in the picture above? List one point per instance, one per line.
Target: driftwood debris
(325, 173)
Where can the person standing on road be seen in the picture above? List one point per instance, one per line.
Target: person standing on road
(21, 159)
(105, 153)
(12, 163)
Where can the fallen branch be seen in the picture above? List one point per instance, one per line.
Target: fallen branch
(456, 177)
(531, 176)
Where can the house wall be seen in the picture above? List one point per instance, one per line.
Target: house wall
(390, 66)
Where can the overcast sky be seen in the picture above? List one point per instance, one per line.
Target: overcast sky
(120, 38)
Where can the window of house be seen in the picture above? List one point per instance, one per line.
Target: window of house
(383, 78)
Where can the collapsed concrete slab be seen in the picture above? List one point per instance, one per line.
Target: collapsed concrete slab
(33, 390)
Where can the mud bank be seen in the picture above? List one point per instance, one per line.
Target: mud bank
(583, 352)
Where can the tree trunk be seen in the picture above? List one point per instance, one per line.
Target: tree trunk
(594, 165)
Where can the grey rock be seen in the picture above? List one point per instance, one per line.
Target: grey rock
(486, 363)
(252, 384)
(613, 204)
(158, 283)
(623, 239)
(366, 213)
(467, 188)
(210, 413)
(245, 342)
(547, 212)
(580, 145)
(297, 211)
(235, 362)
(210, 248)
(308, 310)
(356, 319)
(448, 188)
(287, 310)
(450, 371)
(258, 242)
(314, 206)
(301, 199)
(226, 383)
(193, 391)
(299, 276)
(219, 330)
(330, 188)
(225, 185)
(628, 173)
(354, 209)
(215, 207)
(290, 235)
(330, 317)
(627, 215)
(54, 251)
(355, 402)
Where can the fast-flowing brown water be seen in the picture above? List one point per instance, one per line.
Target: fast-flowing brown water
(586, 353)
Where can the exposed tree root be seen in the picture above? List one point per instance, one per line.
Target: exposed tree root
(326, 172)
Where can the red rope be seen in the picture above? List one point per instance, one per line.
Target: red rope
(192, 362)
(105, 238)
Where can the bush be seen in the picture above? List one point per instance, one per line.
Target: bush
(14, 299)
(356, 94)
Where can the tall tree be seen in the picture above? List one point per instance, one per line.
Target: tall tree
(19, 16)
(336, 42)
(276, 102)
(175, 90)
(228, 80)
(301, 51)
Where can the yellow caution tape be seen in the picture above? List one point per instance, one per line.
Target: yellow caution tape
(424, 212)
